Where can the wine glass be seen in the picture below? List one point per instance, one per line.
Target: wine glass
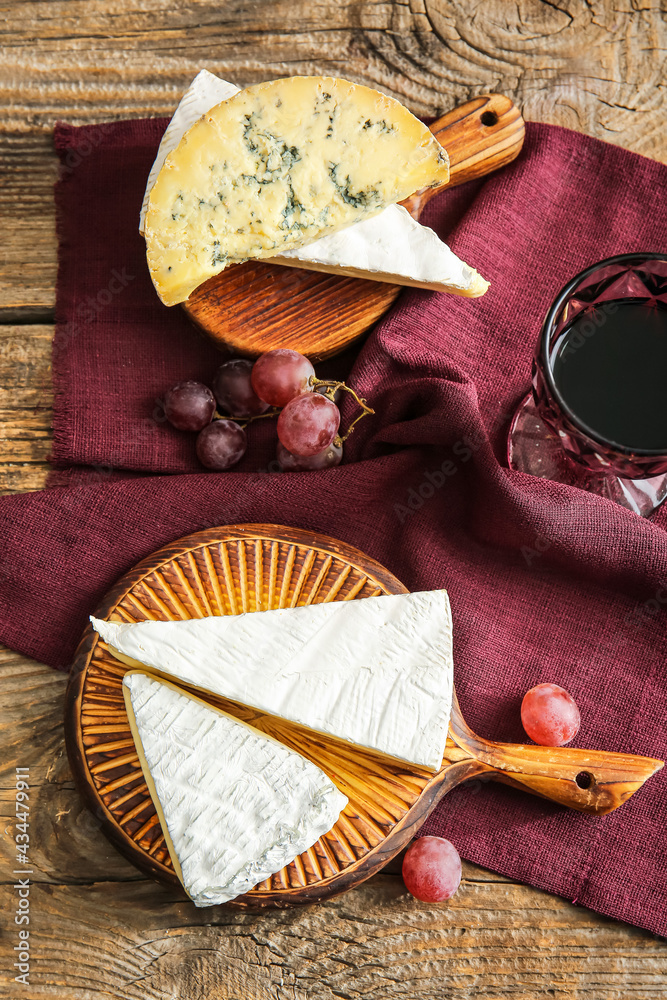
(596, 416)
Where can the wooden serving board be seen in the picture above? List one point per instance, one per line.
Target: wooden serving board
(257, 306)
(243, 568)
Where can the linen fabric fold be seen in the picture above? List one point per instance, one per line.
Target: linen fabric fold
(547, 583)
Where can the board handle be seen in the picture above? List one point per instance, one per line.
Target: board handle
(480, 136)
(592, 781)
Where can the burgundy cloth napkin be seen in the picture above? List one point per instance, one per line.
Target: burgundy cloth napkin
(546, 582)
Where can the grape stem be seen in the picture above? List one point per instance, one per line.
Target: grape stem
(332, 388)
(242, 421)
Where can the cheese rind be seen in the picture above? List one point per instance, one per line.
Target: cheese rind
(390, 247)
(236, 806)
(277, 166)
(205, 91)
(377, 672)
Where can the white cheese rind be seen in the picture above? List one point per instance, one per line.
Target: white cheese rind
(276, 166)
(238, 805)
(205, 91)
(376, 672)
(390, 247)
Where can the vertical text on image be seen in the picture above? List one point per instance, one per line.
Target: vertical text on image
(23, 871)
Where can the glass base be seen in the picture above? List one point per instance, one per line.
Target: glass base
(534, 448)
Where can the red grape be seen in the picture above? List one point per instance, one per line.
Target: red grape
(189, 406)
(308, 424)
(550, 715)
(431, 869)
(280, 375)
(325, 459)
(233, 390)
(221, 444)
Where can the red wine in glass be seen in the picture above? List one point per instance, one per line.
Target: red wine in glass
(614, 380)
(595, 416)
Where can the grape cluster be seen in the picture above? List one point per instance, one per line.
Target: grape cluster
(280, 383)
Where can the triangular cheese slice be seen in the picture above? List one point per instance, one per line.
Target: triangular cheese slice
(376, 672)
(235, 805)
(390, 247)
(277, 166)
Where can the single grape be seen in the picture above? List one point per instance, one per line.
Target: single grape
(431, 869)
(308, 424)
(550, 715)
(280, 375)
(325, 459)
(222, 444)
(234, 392)
(189, 406)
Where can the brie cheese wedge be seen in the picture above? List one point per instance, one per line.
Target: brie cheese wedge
(235, 805)
(390, 247)
(376, 672)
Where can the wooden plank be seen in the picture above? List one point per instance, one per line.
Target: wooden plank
(25, 406)
(91, 59)
(61, 60)
(22, 477)
(133, 940)
(28, 167)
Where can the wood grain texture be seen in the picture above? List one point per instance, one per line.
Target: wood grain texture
(590, 781)
(101, 930)
(256, 306)
(591, 65)
(596, 67)
(25, 406)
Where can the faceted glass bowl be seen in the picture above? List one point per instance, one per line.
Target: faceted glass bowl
(546, 438)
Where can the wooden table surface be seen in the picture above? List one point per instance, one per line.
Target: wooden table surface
(98, 927)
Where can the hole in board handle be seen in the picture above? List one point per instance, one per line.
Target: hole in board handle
(584, 779)
(489, 118)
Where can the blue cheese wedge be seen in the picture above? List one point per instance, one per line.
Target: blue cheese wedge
(235, 805)
(376, 672)
(390, 247)
(277, 166)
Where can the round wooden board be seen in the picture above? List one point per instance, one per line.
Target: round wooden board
(230, 570)
(256, 306)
